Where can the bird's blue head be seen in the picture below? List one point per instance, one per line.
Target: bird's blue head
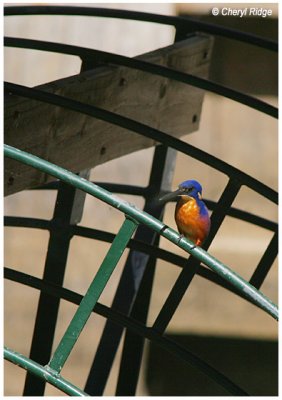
(190, 188)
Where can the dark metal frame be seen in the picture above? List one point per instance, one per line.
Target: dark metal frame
(130, 306)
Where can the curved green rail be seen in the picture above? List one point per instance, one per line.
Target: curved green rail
(45, 373)
(142, 217)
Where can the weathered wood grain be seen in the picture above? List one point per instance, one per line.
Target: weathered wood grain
(76, 141)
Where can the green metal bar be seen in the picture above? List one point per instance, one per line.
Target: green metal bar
(92, 295)
(44, 373)
(68, 201)
(142, 217)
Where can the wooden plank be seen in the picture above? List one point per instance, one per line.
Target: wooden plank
(76, 141)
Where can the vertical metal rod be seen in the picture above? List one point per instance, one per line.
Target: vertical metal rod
(92, 295)
(129, 370)
(160, 179)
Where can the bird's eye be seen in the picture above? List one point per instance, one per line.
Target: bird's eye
(188, 189)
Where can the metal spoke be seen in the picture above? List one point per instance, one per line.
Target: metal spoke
(92, 295)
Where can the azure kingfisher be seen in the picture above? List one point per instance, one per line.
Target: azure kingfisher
(191, 214)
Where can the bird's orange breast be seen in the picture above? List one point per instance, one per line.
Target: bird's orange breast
(189, 220)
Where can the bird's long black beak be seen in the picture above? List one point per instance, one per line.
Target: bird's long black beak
(171, 196)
